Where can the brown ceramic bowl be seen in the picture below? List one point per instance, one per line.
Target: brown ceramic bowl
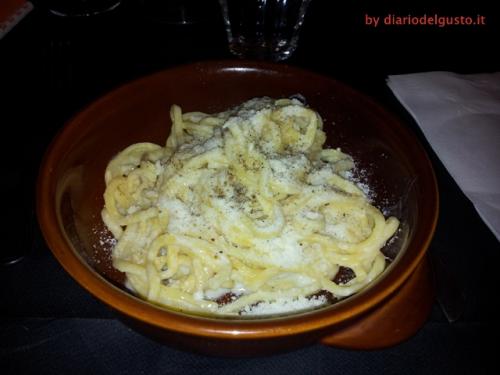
(71, 186)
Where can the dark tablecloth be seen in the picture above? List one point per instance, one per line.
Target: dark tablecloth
(52, 67)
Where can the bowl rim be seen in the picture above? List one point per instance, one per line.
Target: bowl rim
(217, 327)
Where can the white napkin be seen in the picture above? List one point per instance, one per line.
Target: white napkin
(460, 117)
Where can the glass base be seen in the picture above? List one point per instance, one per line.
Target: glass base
(275, 50)
(81, 8)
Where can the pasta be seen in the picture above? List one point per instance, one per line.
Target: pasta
(242, 212)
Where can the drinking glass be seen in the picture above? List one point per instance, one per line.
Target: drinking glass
(81, 8)
(263, 29)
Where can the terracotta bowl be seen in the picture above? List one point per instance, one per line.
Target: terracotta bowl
(71, 186)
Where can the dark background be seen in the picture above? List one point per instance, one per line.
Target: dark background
(52, 67)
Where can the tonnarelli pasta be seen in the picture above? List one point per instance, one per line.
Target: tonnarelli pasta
(242, 212)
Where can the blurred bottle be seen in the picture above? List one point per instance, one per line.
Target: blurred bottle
(176, 12)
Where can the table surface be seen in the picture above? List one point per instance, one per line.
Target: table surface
(52, 67)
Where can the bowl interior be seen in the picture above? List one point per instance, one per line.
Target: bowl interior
(71, 184)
